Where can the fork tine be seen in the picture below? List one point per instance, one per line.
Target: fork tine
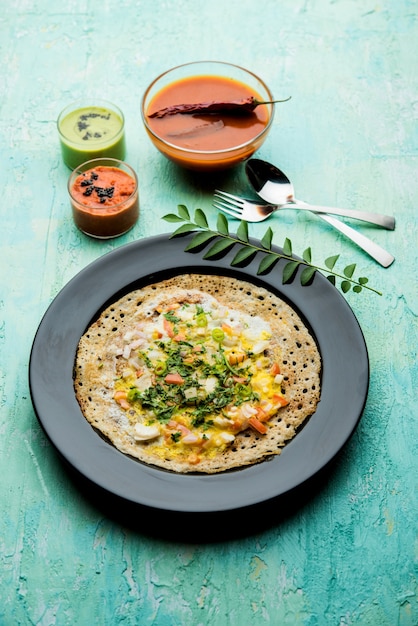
(228, 203)
(228, 197)
(230, 210)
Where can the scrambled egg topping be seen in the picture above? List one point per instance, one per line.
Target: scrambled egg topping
(194, 375)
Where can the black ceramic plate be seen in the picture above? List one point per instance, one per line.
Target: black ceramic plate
(345, 379)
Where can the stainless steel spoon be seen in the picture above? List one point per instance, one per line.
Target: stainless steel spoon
(273, 186)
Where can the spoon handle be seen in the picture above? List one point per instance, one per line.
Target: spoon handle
(373, 249)
(385, 221)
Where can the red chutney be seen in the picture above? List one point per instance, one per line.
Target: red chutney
(200, 131)
(105, 201)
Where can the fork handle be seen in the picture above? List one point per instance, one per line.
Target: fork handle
(385, 221)
(373, 249)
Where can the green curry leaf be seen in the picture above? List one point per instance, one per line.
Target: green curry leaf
(244, 255)
(307, 275)
(181, 230)
(267, 263)
(289, 271)
(307, 255)
(242, 232)
(287, 247)
(199, 240)
(200, 219)
(219, 248)
(183, 212)
(267, 239)
(222, 224)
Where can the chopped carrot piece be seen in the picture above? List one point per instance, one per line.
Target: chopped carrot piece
(236, 357)
(239, 379)
(121, 398)
(257, 425)
(277, 399)
(275, 369)
(262, 415)
(236, 425)
(168, 327)
(174, 379)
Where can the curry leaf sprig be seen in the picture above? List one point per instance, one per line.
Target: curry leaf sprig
(221, 242)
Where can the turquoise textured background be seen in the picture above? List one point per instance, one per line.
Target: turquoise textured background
(347, 556)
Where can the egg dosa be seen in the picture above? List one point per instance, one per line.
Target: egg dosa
(104, 365)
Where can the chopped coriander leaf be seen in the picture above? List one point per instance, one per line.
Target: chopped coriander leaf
(185, 343)
(146, 359)
(159, 401)
(198, 420)
(171, 317)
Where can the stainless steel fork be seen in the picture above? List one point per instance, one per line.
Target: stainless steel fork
(254, 212)
(245, 210)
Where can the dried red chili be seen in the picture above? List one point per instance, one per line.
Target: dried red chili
(245, 105)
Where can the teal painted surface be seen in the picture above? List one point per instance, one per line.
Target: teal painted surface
(349, 138)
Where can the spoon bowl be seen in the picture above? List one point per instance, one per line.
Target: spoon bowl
(270, 183)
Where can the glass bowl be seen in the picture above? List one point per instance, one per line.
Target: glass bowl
(104, 197)
(90, 129)
(207, 141)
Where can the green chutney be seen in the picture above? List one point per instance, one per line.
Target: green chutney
(91, 132)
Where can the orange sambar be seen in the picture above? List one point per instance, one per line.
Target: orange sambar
(206, 132)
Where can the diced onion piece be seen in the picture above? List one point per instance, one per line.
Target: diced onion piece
(210, 384)
(260, 346)
(190, 438)
(143, 382)
(248, 411)
(227, 437)
(144, 433)
(134, 362)
(223, 422)
(278, 379)
(190, 393)
(136, 344)
(187, 315)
